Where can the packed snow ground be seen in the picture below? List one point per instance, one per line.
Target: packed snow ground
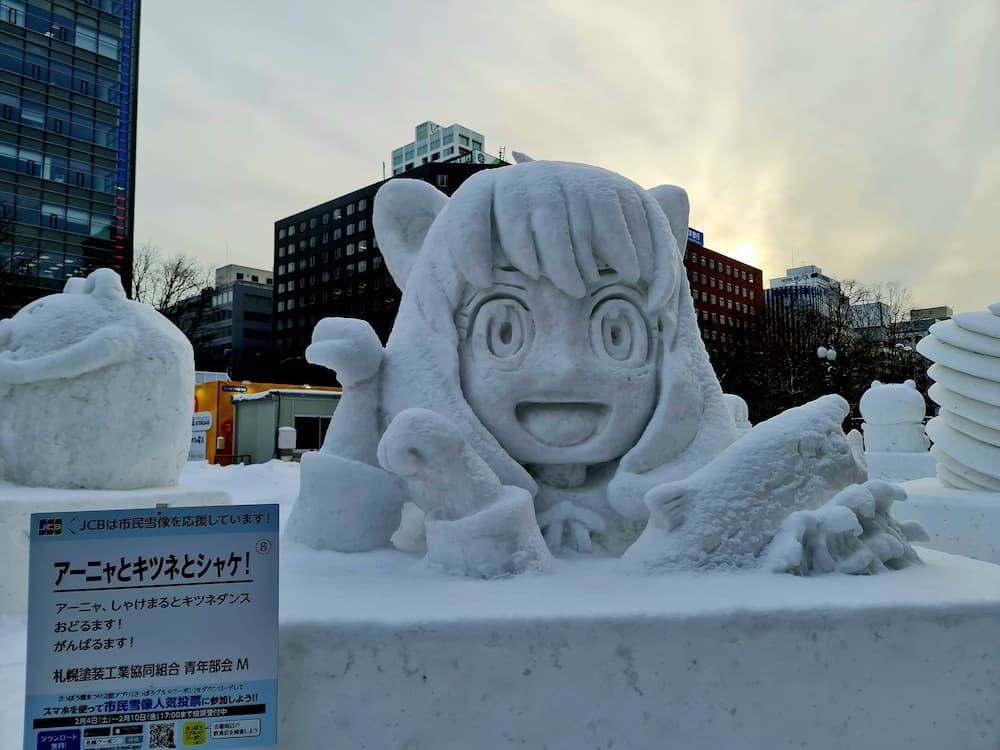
(391, 595)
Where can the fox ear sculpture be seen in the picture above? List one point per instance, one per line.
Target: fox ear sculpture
(403, 212)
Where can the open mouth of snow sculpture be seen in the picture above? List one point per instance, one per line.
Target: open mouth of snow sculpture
(562, 424)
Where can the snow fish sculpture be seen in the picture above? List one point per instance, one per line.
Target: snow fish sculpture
(966, 370)
(545, 373)
(95, 391)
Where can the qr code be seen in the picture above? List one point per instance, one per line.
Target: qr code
(161, 735)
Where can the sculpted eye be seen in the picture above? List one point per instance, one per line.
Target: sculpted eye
(503, 326)
(618, 331)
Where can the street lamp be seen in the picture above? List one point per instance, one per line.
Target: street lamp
(827, 355)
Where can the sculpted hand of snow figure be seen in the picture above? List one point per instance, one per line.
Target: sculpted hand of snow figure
(544, 382)
(95, 391)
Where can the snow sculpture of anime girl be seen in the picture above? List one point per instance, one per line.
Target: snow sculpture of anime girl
(545, 373)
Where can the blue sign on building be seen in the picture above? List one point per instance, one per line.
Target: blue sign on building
(696, 237)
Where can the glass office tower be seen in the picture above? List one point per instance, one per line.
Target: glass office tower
(67, 142)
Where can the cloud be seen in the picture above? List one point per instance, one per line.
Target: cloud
(857, 136)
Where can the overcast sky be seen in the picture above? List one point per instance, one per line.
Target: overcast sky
(861, 136)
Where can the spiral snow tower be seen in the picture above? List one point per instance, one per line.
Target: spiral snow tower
(966, 373)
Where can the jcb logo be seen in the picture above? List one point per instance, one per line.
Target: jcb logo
(50, 526)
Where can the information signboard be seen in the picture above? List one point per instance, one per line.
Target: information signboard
(153, 628)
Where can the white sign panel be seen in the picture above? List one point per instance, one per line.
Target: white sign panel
(201, 421)
(153, 628)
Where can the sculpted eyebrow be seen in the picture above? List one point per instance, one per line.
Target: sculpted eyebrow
(491, 290)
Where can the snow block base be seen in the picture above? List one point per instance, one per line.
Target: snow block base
(375, 654)
(900, 467)
(962, 522)
(17, 503)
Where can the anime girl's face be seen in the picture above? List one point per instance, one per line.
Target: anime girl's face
(555, 379)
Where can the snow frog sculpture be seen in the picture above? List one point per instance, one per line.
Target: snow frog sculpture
(95, 391)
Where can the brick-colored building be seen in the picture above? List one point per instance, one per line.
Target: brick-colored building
(726, 293)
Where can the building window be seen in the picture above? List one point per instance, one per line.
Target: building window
(442, 180)
(376, 263)
(336, 233)
(350, 248)
(291, 231)
(326, 217)
(281, 233)
(711, 264)
(350, 209)
(362, 245)
(281, 306)
(362, 225)
(326, 237)
(350, 229)
(281, 251)
(703, 279)
(312, 242)
(239, 277)
(336, 213)
(362, 204)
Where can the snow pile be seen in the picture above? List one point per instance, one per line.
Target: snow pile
(95, 391)
(966, 434)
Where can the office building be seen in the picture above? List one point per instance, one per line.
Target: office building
(327, 263)
(806, 287)
(727, 293)
(435, 143)
(229, 325)
(67, 142)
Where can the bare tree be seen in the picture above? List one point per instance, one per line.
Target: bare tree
(163, 281)
(774, 365)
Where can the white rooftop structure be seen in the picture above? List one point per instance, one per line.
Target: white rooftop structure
(433, 142)
(230, 274)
